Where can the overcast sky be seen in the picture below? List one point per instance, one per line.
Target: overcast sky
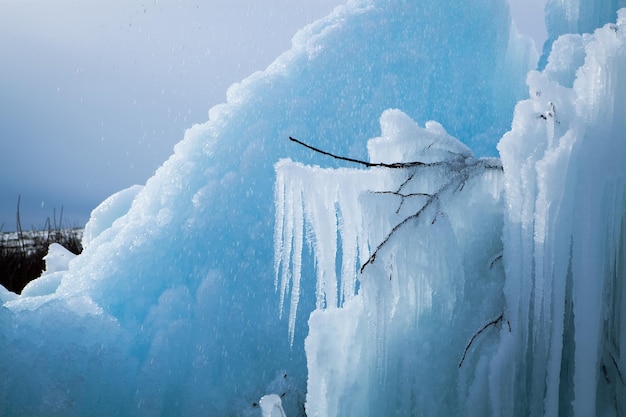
(94, 94)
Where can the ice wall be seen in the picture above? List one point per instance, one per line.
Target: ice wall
(576, 17)
(579, 16)
(171, 308)
(565, 236)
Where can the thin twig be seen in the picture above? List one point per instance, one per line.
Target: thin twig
(405, 182)
(497, 258)
(20, 231)
(463, 170)
(403, 196)
(414, 216)
(459, 178)
(482, 329)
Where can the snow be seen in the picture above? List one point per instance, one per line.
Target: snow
(402, 140)
(57, 262)
(576, 17)
(253, 276)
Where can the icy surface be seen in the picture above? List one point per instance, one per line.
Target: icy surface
(271, 406)
(103, 216)
(564, 235)
(420, 243)
(493, 309)
(576, 17)
(171, 308)
(402, 140)
(440, 288)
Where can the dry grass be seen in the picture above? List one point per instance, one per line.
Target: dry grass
(22, 252)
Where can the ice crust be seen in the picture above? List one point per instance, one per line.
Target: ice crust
(174, 307)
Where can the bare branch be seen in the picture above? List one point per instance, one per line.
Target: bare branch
(462, 170)
(406, 181)
(482, 329)
(403, 196)
(495, 260)
(365, 163)
(458, 179)
(414, 216)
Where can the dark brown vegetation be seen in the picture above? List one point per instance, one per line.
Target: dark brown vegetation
(22, 252)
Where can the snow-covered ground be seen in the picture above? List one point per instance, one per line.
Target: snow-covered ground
(27, 240)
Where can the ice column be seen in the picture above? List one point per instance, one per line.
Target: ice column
(564, 239)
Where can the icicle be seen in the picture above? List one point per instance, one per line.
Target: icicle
(298, 238)
(279, 223)
(288, 238)
(321, 213)
(305, 201)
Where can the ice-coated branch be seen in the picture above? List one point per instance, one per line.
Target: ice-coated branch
(365, 163)
(456, 182)
(461, 170)
(403, 196)
(325, 208)
(414, 216)
(482, 329)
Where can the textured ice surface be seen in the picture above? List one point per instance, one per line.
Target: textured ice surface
(576, 17)
(57, 263)
(103, 216)
(564, 235)
(172, 309)
(493, 309)
(402, 140)
(271, 406)
(423, 245)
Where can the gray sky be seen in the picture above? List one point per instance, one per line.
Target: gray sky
(94, 94)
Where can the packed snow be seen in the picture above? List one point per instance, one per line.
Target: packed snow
(470, 260)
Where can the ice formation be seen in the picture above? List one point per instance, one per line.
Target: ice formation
(565, 236)
(397, 343)
(509, 297)
(173, 307)
(271, 406)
